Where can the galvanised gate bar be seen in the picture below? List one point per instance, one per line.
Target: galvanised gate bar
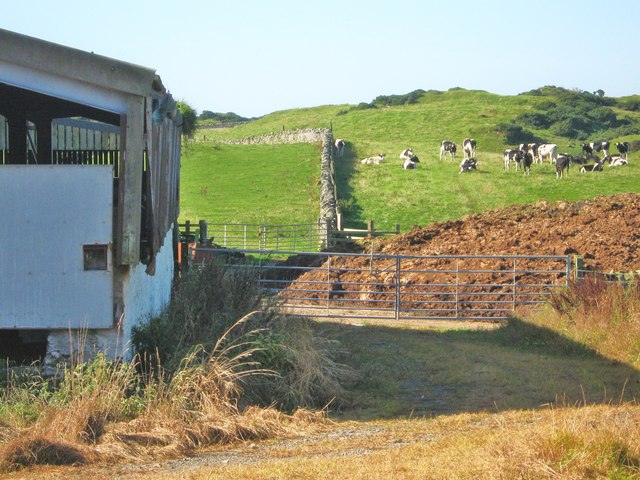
(460, 287)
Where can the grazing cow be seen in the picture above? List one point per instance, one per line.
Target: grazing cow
(469, 148)
(338, 148)
(623, 148)
(468, 164)
(600, 147)
(562, 164)
(377, 160)
(527, 160)
(410, 163)
(448, 147)
(550, 150)
(511, 155)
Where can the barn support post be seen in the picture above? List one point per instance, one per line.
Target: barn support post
(130, 184)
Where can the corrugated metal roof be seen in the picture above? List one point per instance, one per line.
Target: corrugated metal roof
(98, 70)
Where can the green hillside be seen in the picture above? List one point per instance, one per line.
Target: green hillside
(435, 191)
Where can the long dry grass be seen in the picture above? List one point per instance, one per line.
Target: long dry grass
(106, 412)
(602, 315)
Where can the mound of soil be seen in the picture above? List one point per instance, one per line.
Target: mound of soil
(605, 231)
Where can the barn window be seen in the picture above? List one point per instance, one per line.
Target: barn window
(95, 257)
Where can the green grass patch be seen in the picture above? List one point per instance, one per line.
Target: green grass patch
(258, 184)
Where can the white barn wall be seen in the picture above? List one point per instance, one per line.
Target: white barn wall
(144, 297)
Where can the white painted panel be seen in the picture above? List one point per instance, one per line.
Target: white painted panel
(62, 87)
(48, 212)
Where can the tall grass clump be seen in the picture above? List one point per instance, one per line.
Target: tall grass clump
(207, 301)
(603, 315)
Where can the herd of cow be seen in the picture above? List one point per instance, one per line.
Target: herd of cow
(522, 157)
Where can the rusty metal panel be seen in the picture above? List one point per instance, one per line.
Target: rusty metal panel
(50, 213)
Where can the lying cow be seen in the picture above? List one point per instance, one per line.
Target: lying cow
(596, 167)
(406, 153)
(468, 164)
(616, 160)
(410, 163)
(377, 160)
(448, 147)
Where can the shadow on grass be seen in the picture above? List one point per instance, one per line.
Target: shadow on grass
(345, 169)
(408, 373)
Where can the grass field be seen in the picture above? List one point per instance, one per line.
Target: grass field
(257, 184)
(386, 193)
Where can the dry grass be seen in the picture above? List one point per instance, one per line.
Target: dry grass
(604, 316)
(553, 443)
(85, 420)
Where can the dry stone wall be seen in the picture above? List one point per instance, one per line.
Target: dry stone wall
(328, 219)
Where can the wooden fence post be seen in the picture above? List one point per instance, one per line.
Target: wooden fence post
(370, 230)
(203, 232)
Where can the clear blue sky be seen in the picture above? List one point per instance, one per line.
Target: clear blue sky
(254, 57)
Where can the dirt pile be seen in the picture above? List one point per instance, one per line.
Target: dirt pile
(605, 231)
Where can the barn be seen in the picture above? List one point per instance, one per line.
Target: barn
(89, 190)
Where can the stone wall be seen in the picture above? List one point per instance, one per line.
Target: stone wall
(307, 135)
(327, 220)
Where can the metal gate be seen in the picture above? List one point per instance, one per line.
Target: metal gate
(460, 287)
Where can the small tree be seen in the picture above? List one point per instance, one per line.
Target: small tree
(189, 119)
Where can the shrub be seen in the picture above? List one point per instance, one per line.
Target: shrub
(515, 134)
(208, 301)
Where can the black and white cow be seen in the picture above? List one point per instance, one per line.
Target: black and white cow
(586, 149)
(338, 148)
(623, 148)
(600, 147)
(448, 147)
(550, 150)
(562, 164)
(469, 148)
(527, 160)
(616, 160)
(468, 164)
(406, 153)
(410, 163)
(596, 167)
(512, 155)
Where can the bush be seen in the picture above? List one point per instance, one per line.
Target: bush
(515, 134)
(534, 119)
(206, 302)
